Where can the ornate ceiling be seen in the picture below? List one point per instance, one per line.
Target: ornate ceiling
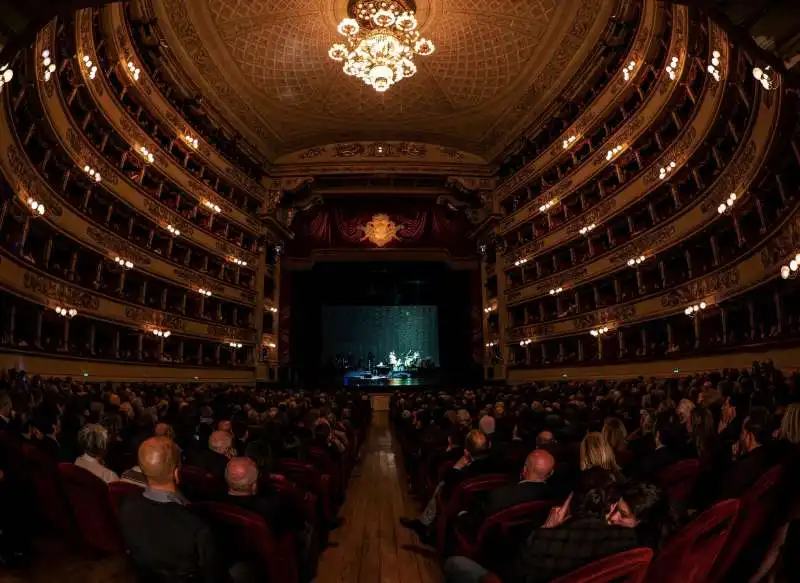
(498, 64)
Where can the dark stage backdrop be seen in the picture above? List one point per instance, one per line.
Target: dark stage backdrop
(360, 330)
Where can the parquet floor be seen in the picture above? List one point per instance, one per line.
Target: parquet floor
(369, 547)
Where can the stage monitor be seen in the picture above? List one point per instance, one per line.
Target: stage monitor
(397, 337)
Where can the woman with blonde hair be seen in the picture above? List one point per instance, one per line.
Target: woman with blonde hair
(595, 452)
(615, 434)
(790, 424)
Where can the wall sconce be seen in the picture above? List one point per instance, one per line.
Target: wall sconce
(204, 292)
(519, 262)
(271, 345)
(587, 229)
(235, 345)
(568, 142)
(599, 331)
(548, 205)
(134, 70)
(614, 151)
(726, 206)
(525, 342)
(6, 75)
(713, 68)
(211, 206)
(161, 333)
(692, 310)
(237, 261)
(190, 141)
(765, 76)
(90, 67)
(490, 309)
(662, 174)
(273, 309)
(92, 173)
(626, 72)
(636, 260)
(556, 291)
(125, 264)
(66, 313)
(37, 208)
(672, 68)
(173, 231)
(146, 154)
(491, 344)
(790, 270)
(48, 65)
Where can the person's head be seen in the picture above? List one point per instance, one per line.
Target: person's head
(755, 429)
(702, 429)
(240, 428)
(224, 425)
(615, 433)
(684, 410)
(486, 424)
(545, 438)
(164, 430)
(5, 404)
(159, 460)
(790, 424)
(463, 418)
(93, 440)
(538, 466)
(476, 445)
(322, 433)
(241, 474)
(636, 504)
(669, 431)
(220, 442)
(595, 452)
(48, 422)
(594, 493)
(457, 437)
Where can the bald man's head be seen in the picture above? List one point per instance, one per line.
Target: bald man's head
(220, 442)
(242, 476)
(159, 458)
(477, 444)
(538, 466)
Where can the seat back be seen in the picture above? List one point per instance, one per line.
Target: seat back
(465, 492)
(287, 490)
(678, 479)
(526, 513)
(245, 536)
(50, 496)
(93, 509)
(628, 567)
(690, 553)
(756, 510)
(201, 485)
(119, 491)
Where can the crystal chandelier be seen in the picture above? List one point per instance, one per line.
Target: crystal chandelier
(381, 42)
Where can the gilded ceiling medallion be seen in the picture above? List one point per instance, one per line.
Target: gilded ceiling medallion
(381, 230)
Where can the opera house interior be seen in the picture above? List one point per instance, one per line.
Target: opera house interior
(400, 291)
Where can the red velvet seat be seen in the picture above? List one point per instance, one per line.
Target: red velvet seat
(121, 490)
(498, 524)
(245, 536)
(306, 501)
(756, 510)
(460, 498)
(201, 485)
(678, 479)
(321, 460)
(52, 502)
(689, 554)
(94, 511)
(307, 477)
(628, 567)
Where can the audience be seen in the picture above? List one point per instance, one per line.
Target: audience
(93, 439)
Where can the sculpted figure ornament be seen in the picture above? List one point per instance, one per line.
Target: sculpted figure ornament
(380, 230)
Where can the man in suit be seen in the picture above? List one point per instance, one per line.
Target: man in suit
(532, 486)
(215, 458)
(574, 535)
(755, 457)
(49, 424)
(165, 540)
(670, 437)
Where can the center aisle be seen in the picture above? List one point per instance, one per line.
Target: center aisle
(372, 546)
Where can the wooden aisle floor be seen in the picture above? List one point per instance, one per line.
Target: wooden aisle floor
(371, 546)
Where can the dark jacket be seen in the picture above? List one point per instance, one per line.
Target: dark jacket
(552, 552)
(745, 471)
(280, 514)
(651, 464)
(167, 542)
(210, 461)
(498, 500)
(478, 467)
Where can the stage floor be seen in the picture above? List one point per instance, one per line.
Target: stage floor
(365, 379)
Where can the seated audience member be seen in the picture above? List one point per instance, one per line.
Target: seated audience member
(752, 454)
(475, 461)
(643, 507)
(546, 440)
(487, 425)
(595, 452)
(533, 486)
(135, 475)
(241, 433)
(684, 411)
(670, 441)
(6, 411)
(702, 434)
(616, 435)
(93, 441)
(49, 425)
(215, 458)
(574, 535)
(164, 539)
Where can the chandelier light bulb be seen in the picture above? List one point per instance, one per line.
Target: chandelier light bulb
(702, 305)
(785, 271)
(793, 265)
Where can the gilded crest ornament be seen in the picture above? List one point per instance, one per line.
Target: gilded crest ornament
(380, 230)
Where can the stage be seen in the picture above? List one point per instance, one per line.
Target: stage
(389, 380)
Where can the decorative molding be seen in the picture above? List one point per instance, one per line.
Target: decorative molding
(593, 215)
(60, 292)
(155, 318)
(118, 245)
(616, 314)
(642, 245)
(674, 153)
(783, 246)
(565, 277)
(234, 251)
(198, 280)
(231, 332)
(26, 182)
(702, 288)
(88, 155)
(532, 331)
(165, 215)
(731, 181)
